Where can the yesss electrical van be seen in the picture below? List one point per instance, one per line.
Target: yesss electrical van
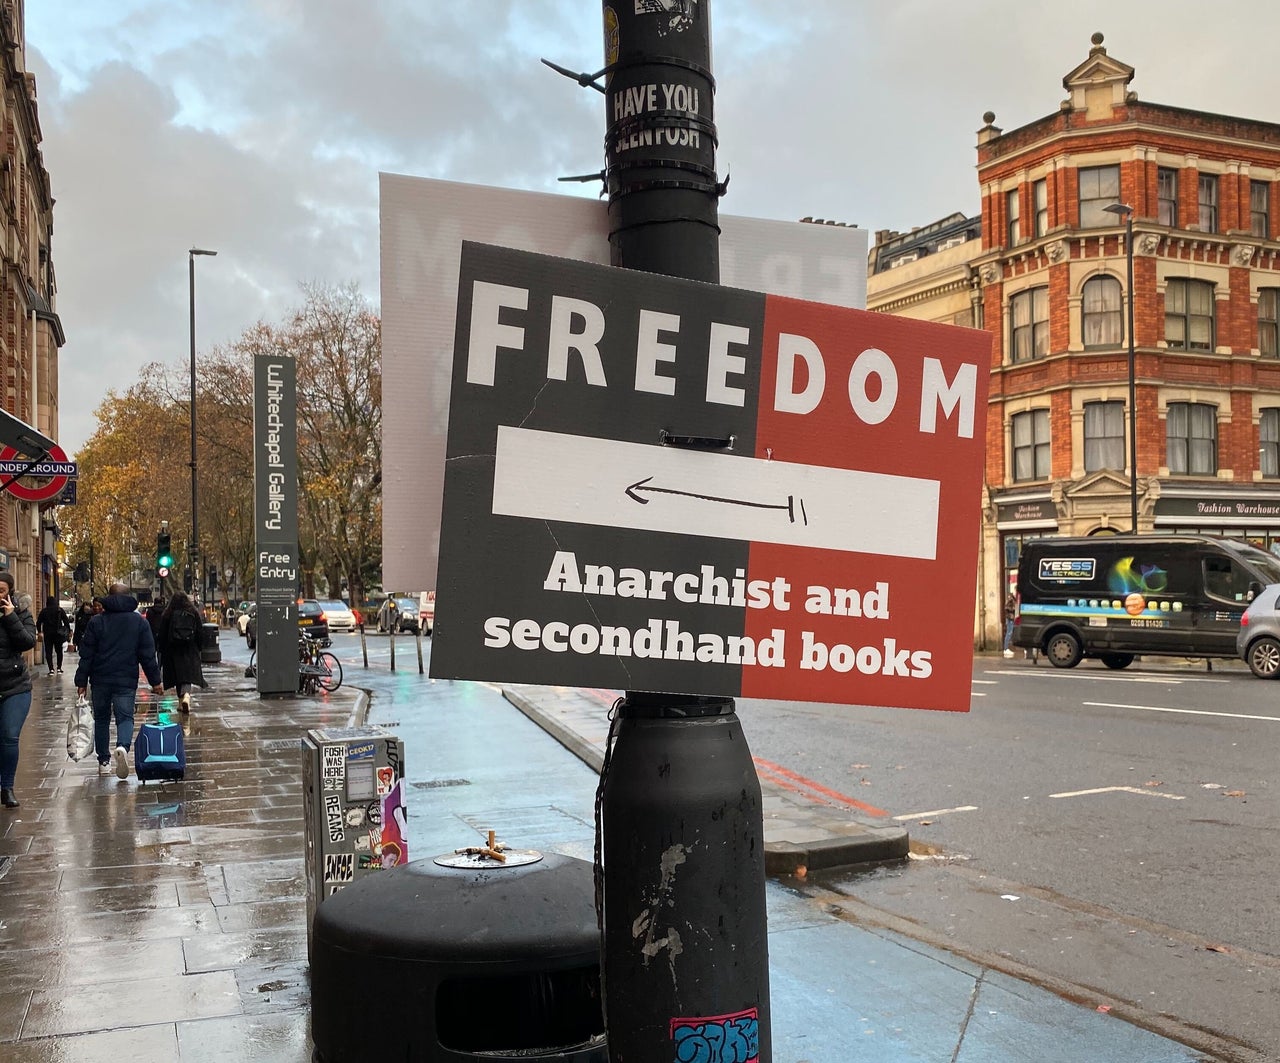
(1115, 597)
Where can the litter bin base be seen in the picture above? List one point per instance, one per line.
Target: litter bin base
(493, 963)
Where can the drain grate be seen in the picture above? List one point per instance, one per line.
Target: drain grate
(436, 784)
(280, 745)
(6, 862)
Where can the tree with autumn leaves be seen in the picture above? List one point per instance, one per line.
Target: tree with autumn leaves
(134, 471)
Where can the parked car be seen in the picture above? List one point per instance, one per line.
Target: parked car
(339, 617)
(242, 621)
(1259, 639)
(399, 614)
(311, 618)
(427, 611)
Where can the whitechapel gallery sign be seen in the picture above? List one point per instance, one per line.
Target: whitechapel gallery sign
(657, 484)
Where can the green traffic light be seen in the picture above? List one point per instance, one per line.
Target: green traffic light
(164, 561)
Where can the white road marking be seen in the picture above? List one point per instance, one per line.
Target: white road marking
(1065, 674)
(1121, 790)
(1183, 712)
(938, 812)
(986, 682)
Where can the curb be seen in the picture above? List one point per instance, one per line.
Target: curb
(834, 845)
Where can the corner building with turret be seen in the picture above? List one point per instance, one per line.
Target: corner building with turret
(1048, 277)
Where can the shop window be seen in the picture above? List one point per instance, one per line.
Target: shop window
(1029, 317)
(1191, 439)
(1040, 192)
(1099, 188)
(1013, 214)
(1208, 186)
(1167, 197)
(1188, 315)
(1031, 446)
(1269, 322)
(1260, 209)
(1269, 443)
(1103, 436)
(1102, 323)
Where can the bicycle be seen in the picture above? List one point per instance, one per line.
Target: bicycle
(317, 669)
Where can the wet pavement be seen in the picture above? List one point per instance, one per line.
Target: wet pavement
(167, 922)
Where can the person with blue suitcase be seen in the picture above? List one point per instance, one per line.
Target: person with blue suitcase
(116, 642)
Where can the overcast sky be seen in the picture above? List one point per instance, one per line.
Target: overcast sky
(258, 127)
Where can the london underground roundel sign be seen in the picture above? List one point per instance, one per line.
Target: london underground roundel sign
(51, 488)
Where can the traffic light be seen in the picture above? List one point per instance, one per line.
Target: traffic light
(164, 554)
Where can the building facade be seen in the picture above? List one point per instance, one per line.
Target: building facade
(30, 331)
(1050, 272)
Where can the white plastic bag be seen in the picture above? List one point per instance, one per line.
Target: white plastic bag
(80, 729)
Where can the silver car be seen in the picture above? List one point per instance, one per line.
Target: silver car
(340, 617)
(1259, 639)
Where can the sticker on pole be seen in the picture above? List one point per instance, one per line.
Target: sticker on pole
(658, 484)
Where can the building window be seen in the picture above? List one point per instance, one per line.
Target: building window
(1269, 322)
(1029, 312)
(1167, 196)
(1040, 192)
(1102, 320)
(1015, 224)
(1208, 203)
(1031, 446)
(1188, 315)
(1259, 209)
(1269, 443)
(1191, 439)
(1103, 436)
(1099, 188)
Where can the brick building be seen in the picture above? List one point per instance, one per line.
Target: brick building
(1048, 279)
(30, 331)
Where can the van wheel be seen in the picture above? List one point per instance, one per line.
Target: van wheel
(1264, 658)
(1063, 650)
(1117, 660)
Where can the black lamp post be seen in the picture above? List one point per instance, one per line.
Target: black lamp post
(1126, 212)
(194, 551)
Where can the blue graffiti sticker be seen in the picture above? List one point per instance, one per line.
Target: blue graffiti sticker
(719, 1039)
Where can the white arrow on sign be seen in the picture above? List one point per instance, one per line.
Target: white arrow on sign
(610, 483)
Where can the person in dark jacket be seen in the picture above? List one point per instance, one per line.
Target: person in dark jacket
(116, 642)
(17, 635)
(83, 615)
(179, 643)
(54, 628)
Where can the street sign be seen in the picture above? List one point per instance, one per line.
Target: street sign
(58, 470)
(657, 484)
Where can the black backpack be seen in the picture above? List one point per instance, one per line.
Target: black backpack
(183, 627)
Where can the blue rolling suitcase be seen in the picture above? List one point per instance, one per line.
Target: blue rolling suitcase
(158, 752)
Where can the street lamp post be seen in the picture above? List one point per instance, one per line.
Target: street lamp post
(195, 515)
(1126, 211)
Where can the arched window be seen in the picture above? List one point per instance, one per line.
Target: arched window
(1103, 323)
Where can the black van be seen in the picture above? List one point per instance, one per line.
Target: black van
(1117, 596)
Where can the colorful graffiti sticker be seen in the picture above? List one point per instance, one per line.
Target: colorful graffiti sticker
(394, 839)
(386, 779)
(719, 1039)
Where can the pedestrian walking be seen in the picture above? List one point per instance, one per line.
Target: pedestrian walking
(1010, 613)
(83, 615)
(179, 644)
(116, 642)
(54, 629)
(17, 635)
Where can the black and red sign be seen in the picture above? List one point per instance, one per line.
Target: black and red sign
(657, 484)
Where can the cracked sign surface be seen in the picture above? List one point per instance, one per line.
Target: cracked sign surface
(658, 484)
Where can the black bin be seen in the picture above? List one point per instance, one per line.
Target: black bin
(497, 962)
(210, 651)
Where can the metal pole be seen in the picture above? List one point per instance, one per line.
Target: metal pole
(194, 551)
(1133, 402)
(684, 923)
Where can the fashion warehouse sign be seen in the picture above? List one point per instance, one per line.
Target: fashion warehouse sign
(658, 484)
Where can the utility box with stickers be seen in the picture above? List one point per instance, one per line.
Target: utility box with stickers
(353, 804)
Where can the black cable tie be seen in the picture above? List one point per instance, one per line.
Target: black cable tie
(587, 81)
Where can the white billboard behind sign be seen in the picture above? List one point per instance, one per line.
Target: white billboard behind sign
(423, 224)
